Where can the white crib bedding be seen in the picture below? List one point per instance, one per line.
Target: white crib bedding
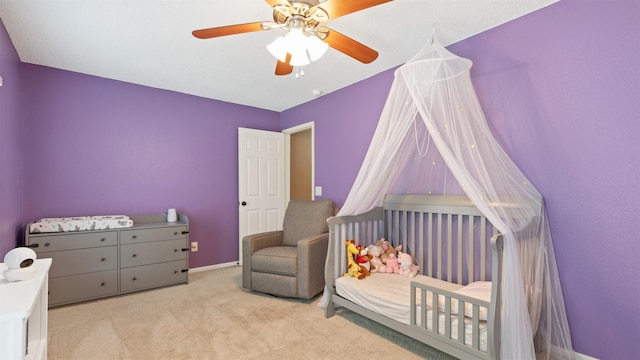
(80, 223)
(389, 295)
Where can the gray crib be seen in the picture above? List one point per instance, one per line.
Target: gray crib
(454, 245)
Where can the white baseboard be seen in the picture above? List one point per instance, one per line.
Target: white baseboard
(213, 267)
(585, 357)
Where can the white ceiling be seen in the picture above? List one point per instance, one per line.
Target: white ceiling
(149, 42)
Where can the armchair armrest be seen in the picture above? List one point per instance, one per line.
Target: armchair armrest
(312, 254)
(253, 243)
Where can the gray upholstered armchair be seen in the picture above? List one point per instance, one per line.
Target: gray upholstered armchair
(290, 263)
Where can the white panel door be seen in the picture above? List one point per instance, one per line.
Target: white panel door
(261, 177)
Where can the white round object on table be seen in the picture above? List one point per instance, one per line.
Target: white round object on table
(172, 215)
(21, 257)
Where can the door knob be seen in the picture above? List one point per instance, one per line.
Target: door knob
(244, 203)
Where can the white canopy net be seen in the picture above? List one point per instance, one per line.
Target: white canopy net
(432, 138)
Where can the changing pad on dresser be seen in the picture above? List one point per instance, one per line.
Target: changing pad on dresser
(80, 223)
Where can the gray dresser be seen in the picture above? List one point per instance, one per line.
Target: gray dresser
(94, 264)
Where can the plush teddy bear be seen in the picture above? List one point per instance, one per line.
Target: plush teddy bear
(374, 252)
(407, 266)
(387, 249)
(391, 261)
(362, 259)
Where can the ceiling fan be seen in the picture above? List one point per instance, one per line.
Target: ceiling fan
(307, 39)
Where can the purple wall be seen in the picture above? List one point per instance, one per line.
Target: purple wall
(345, 123)
(561, 91)
(572, 124)
(97, 146)
(10, 146)
(560, 88)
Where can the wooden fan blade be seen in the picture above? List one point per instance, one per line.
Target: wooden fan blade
(284, 68)
(337, 8)
(227, 30)
(350, 47)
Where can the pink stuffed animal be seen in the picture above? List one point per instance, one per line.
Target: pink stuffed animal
(393, 267)
(407, 266)
(387, 249)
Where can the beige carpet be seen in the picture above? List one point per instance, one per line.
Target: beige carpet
(213, 318)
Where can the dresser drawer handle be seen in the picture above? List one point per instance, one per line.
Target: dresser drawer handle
(103, 259)
(175, 271)
(103, 283)
(134, 237)
(185, 232)
(46, 244)
(175, 233)
(103, 239)
(185, 249)
(134, 255)
(175, 250)
(134, 279)
(184, 270)
(34, 245)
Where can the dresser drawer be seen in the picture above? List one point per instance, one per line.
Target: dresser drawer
(73, 262)
(148, 276)
(146, 235)
(65, 241)
(152, 252)
(75, 288)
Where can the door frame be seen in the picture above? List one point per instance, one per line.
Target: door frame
(287, 157)
(287, 163)
(261, 203)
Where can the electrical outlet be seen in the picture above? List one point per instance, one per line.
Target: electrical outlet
(194, 246)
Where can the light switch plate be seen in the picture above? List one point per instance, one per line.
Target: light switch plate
(318, 191)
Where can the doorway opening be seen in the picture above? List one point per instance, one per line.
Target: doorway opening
(299, 162)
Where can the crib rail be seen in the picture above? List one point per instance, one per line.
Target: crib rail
(441, 300)
(450, 239)
(441, 303)
(364, 228)
(447, 235)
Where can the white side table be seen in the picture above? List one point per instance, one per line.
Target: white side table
(23, 314)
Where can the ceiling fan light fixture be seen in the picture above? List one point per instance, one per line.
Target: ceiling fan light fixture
(316, 47)
(303, 48)
(305, 40)
(299, 57)
(296, 39)
(278, 48)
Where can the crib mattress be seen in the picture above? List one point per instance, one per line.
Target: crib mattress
(389, 295)
(80, 223)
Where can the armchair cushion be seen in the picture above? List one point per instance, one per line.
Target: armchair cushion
(281, 260)
(304, 218)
